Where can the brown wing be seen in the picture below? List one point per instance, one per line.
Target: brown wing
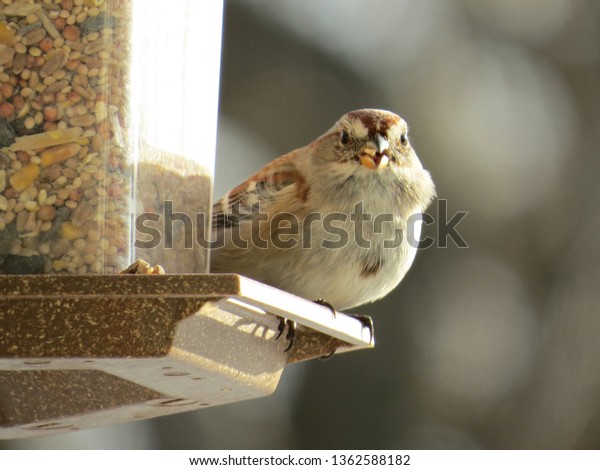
(246, 199)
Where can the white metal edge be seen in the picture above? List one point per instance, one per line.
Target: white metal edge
(307, 313)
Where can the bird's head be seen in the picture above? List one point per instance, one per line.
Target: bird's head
(371, 147)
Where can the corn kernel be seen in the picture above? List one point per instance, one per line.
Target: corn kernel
(70, 232)
(59, 154)
(7, 35)
(25, 177)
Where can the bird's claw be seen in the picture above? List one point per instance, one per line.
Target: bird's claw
(366, 321)
(291, 332)
(327, 356)
(324, 303)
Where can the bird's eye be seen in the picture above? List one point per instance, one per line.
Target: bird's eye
(403, 139)
(344, 137)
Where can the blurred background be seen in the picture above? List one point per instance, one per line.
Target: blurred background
(491, 346)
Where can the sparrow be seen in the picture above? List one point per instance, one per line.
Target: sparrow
(338, 219)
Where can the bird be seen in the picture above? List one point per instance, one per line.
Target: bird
(338, 219)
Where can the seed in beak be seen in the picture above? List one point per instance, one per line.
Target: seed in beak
(374, 154)
(368, 161)
(374, 162)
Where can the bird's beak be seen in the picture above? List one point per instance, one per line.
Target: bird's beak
(375, 153)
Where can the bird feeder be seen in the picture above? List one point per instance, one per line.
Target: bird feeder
(108, 119)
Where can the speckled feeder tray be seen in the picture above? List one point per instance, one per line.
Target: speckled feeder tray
(84, 351)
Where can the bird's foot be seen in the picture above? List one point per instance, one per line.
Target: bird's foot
(324, 303)
(291, 332)
(365, 320)
(326, 356)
